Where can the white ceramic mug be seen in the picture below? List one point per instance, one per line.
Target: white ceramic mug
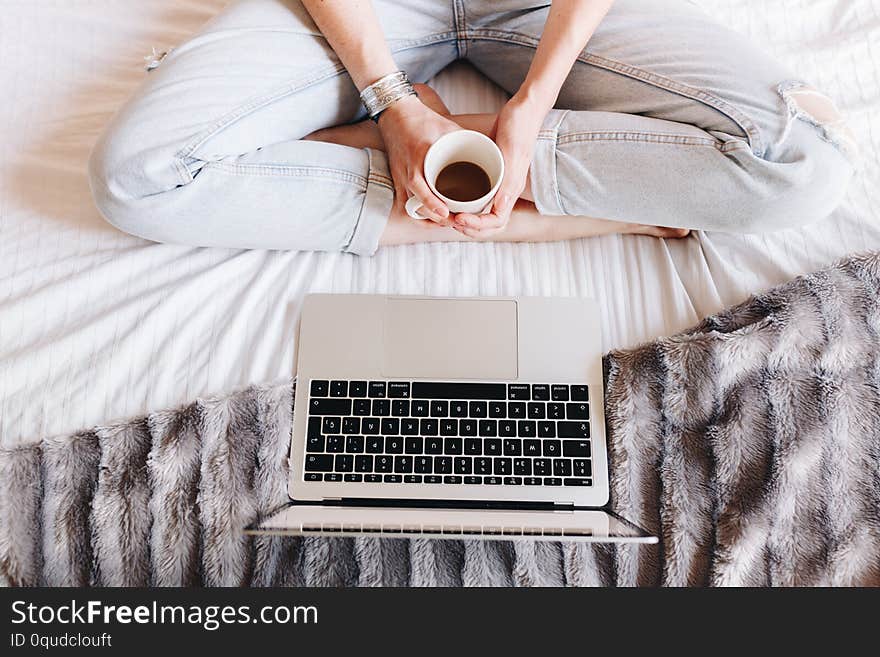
(461, 146)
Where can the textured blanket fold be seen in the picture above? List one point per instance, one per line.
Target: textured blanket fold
(750, 444)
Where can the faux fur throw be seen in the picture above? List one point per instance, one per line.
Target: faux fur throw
(750, 444)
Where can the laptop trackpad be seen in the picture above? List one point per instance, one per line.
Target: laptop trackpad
(450, 339)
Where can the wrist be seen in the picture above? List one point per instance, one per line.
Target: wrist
(533, 100)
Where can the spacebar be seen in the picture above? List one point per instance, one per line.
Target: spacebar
(423, 390)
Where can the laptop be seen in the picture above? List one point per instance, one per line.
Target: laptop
(450, 418)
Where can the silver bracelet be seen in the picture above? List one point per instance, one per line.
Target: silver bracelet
(386, 91)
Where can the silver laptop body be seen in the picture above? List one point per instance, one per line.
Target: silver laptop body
(449, 418)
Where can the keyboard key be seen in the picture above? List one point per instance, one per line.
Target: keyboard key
(532, 481)
(512, 447)
(556, 411)
(335, 444)
(381, 407)
(412, 479)
(392, 479)
(513, 481)
(577, 411)
(442, 464)
(319, 388)
(384, 463)
(467, 428)
(409, 427)
(398, 389)
(420, 408)
(354, 444)
(561, 468)
(507, 428)
(319, 462)
(458, 409)
(330, 407)
(559, 393)
(488, 428)
(372, 478)
(439, 408)
(463, 465)
(428, 427)
(552, 448)
(581, 468)
(314, 427)
(541, 467)
(471, 446)
(492, 481)
(516, 410)
(422, 464)
(344, 463)
(526, 429)
(573, 429)
(357, 388)
(552, 481)
(403, 464)
(423, 390)
(315, 444)
(576, 448)
(580, 393)
(532, 447)
(370, 425)
(331, 425)
(577, 482)
(332, 476)
(492, 447)
(356, 478)
(503, 466)
(518, 391)
(400, 407)
(452, 479)
(350, 424)
(433, 479)
(390, 426)
(546, 429)
(433, 446)
(477, 409)
(377, 389)
(497, 409)
(452, 446)
(361, 407)
(483, 466)
(339, 388)
(363, 463)
(522, 467)
(413, 445)
(313, 476)
(448, 427)
(536, 410)
(473, 479)
(541, 392)
(393, 445)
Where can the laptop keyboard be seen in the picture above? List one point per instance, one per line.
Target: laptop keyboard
(392, 432)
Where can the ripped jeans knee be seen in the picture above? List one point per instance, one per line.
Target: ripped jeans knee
(806, 103)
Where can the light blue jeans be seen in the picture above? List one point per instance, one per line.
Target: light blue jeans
(667, 118)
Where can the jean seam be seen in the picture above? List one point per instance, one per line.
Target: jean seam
(282, 171)
(748, 126)
(282, 91)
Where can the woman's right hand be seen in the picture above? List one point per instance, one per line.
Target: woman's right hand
(408, 128)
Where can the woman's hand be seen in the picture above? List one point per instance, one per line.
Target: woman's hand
(516, 131)
(408, 128)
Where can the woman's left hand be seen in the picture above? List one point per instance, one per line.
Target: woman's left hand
(516, 131)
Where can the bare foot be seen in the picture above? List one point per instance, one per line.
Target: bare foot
(657, 231)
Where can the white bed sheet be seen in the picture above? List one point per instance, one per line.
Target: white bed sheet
(96, 325)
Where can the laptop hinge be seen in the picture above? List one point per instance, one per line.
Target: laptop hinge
(450, 504)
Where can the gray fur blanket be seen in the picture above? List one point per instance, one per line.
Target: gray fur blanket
(750, 444)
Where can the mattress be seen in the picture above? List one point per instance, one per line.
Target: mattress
(96, 325)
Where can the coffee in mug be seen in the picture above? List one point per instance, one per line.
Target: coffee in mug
(464, 169)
